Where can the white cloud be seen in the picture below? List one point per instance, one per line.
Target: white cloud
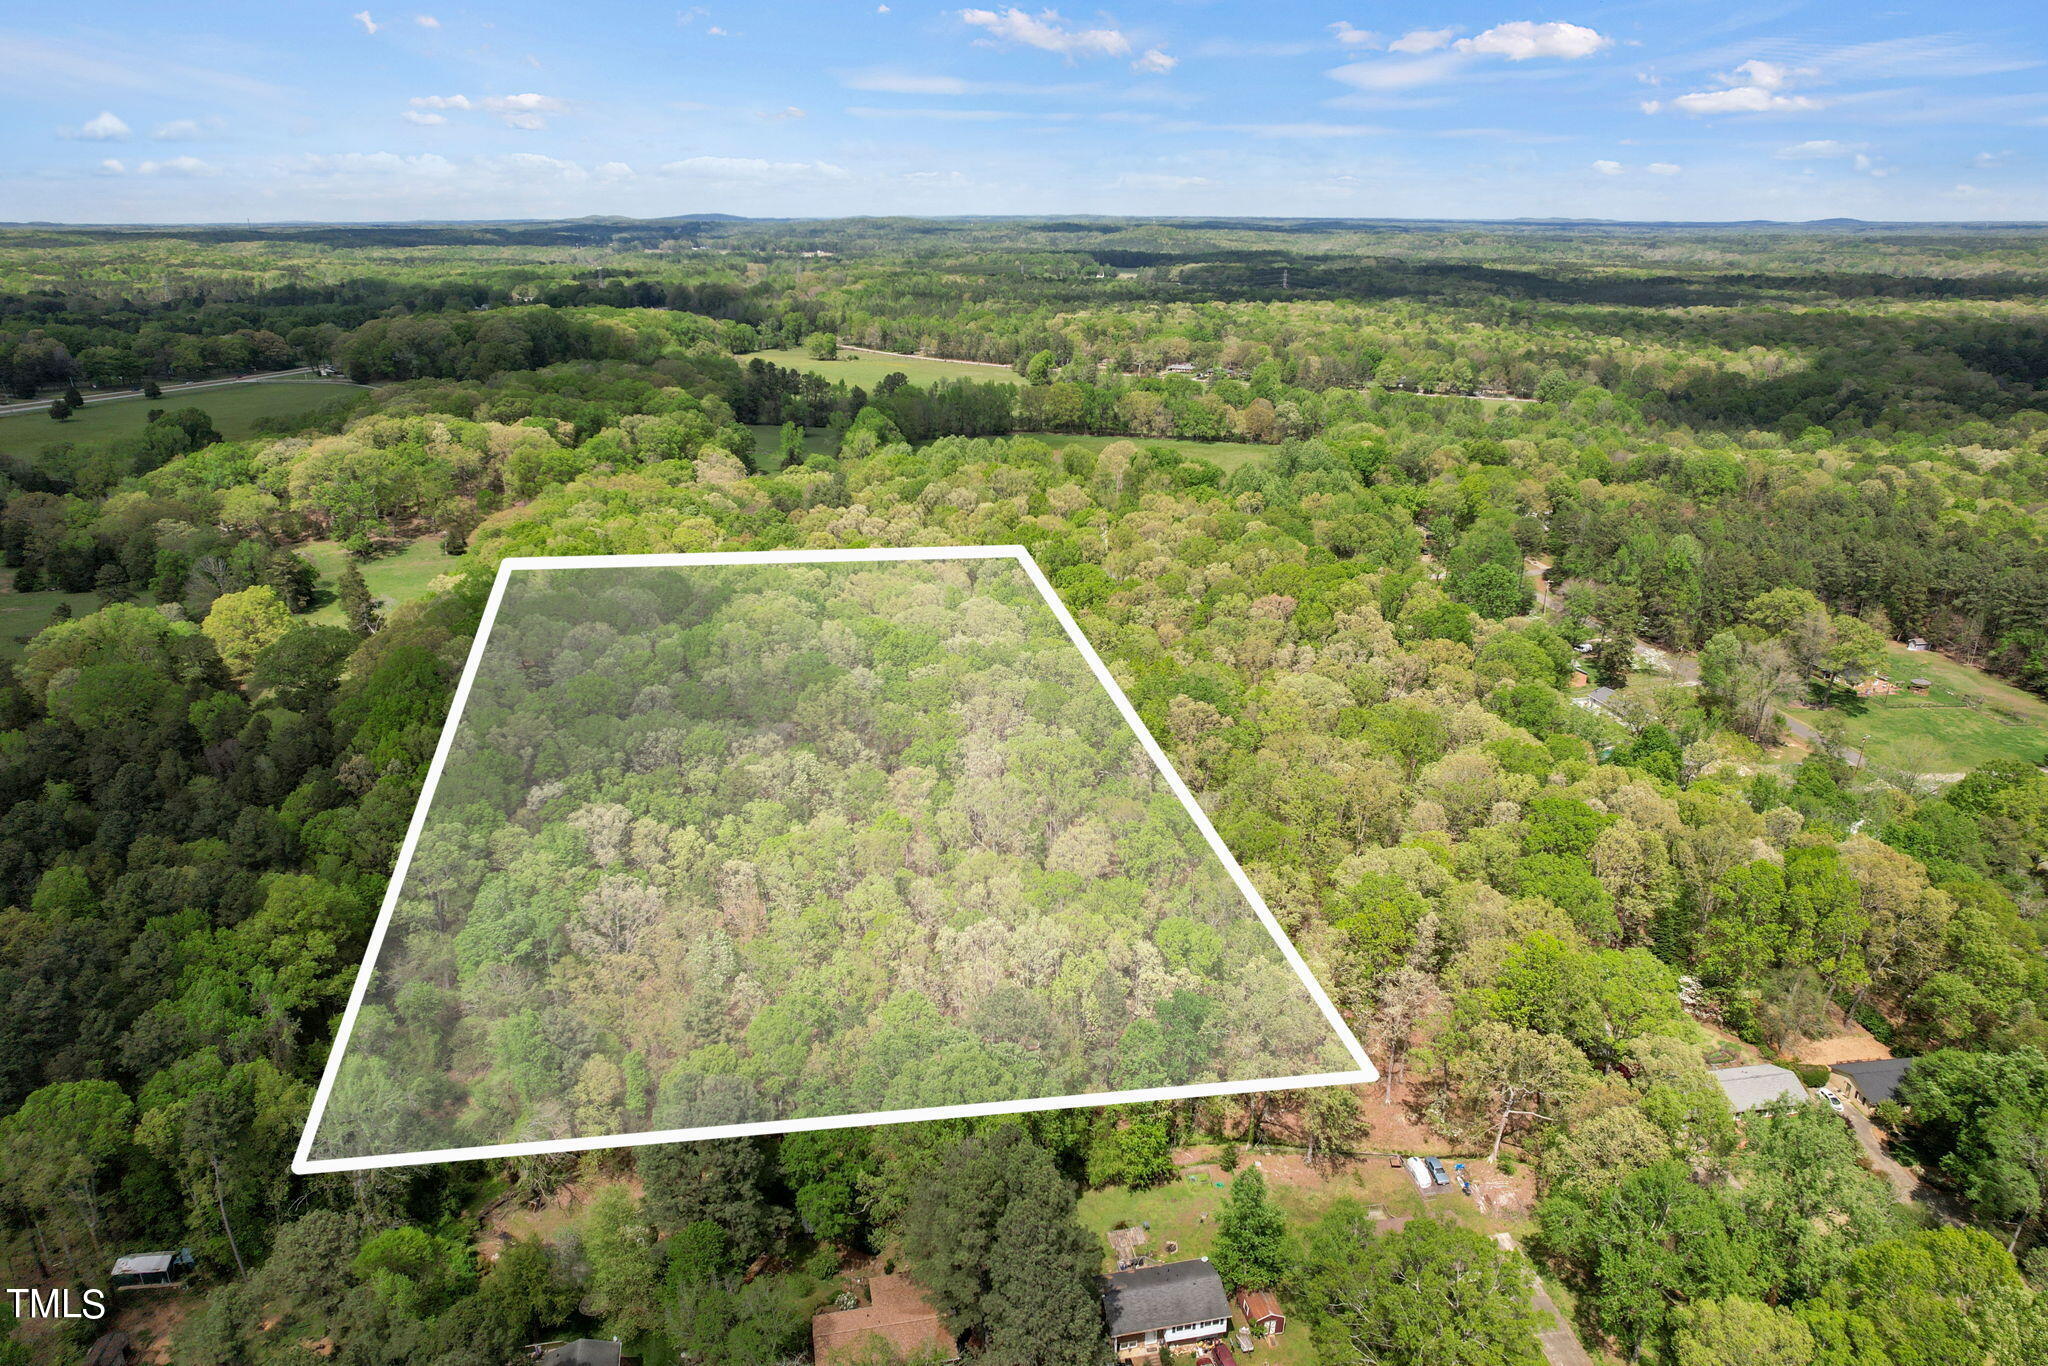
(1663, 168)
(754, 170)
(112, 166)
(362, 16)
(1155, 62)
(1755, 87)
(105, 126)
(1817, 149)
(1400, 75)
(904, 83)
(527, 112)
(424, 118)
(1422, 40)
(426, 21)
(1046, 31)
(184, 130)
(784, 114)
(1352, 37)
(1608, 167)
(614, 170)
(868, 111)
(1522, 40)
(881, 9)
(182, 166)
(1987, 160)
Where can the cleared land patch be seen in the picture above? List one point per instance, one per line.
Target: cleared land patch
(234, 408)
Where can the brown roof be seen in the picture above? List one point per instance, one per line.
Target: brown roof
(1259, 1304)
(897, 1312)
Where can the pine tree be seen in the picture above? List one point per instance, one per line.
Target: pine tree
(356, 602)
(1251, 1237)
(151, 389)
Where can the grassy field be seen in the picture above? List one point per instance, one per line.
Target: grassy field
(399, 577)
(1967, 718)
(24, 614)
(234, 409)
(817, 440)
(869, 368)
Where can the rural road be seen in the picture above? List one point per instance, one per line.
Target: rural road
(37, 405)
(1852, 757)
(1907, 1187)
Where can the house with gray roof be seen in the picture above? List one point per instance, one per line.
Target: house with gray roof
(1760, 1087)
(1177, 1303)
(1874, 1083)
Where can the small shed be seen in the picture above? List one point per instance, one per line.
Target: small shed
(1871, 1084)
(1262, 1311)
(1760, 1088)
(1916, 644)
(139, 1270)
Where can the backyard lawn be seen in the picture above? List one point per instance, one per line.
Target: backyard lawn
(1966, 719)
(869, 368)
(234, 409)
(399, 577)
(24, 614)
(1183, 1212)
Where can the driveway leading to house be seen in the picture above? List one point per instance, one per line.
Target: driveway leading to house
(1907, 1187)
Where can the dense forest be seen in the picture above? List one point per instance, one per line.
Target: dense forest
(1778, 449)
(721, 845)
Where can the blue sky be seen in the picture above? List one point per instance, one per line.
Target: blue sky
(127, 112)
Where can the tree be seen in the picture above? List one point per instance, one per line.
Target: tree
(58, 1143)
(60, 411)
(719, 1180)
(1512, 1074)
(1136, 1153)
(1740, 1332)
(624, 1275)
(151, 389)
(992, 1235)
(72, 398)
(1251, 1237)
(356, 603)
(1433, 1294)
(1330, 1117)
(822, 345)
(243, 625)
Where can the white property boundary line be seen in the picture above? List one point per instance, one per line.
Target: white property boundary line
(306, 1164)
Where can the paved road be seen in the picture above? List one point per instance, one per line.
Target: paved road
(112, 395)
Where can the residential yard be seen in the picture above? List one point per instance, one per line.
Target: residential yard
(24, 614)
(1182, 1213)
(1966, 719)
(869, 368)
(399, 577)
(234, 408)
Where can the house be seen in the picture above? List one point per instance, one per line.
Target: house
(1760, 1087)
(583, 1352)
(897, 1313)
(1596, 700)
(1262, 1311)
(1920, 685)
(138, 1270)
(1871, 1084)
(1172, 1303)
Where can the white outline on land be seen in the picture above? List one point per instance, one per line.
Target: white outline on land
(305, 1164)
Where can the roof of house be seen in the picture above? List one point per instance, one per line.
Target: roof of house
(1879, 1080)
(1168, 1295)
(584, 1352)
(1759, 1087)
(897, 1312)
(146, 1263)
(1259, 1304)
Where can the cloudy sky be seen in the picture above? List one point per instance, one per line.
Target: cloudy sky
(1650, 109)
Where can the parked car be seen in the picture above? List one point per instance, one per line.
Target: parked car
(1436, 1171)
(1827, 1094)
